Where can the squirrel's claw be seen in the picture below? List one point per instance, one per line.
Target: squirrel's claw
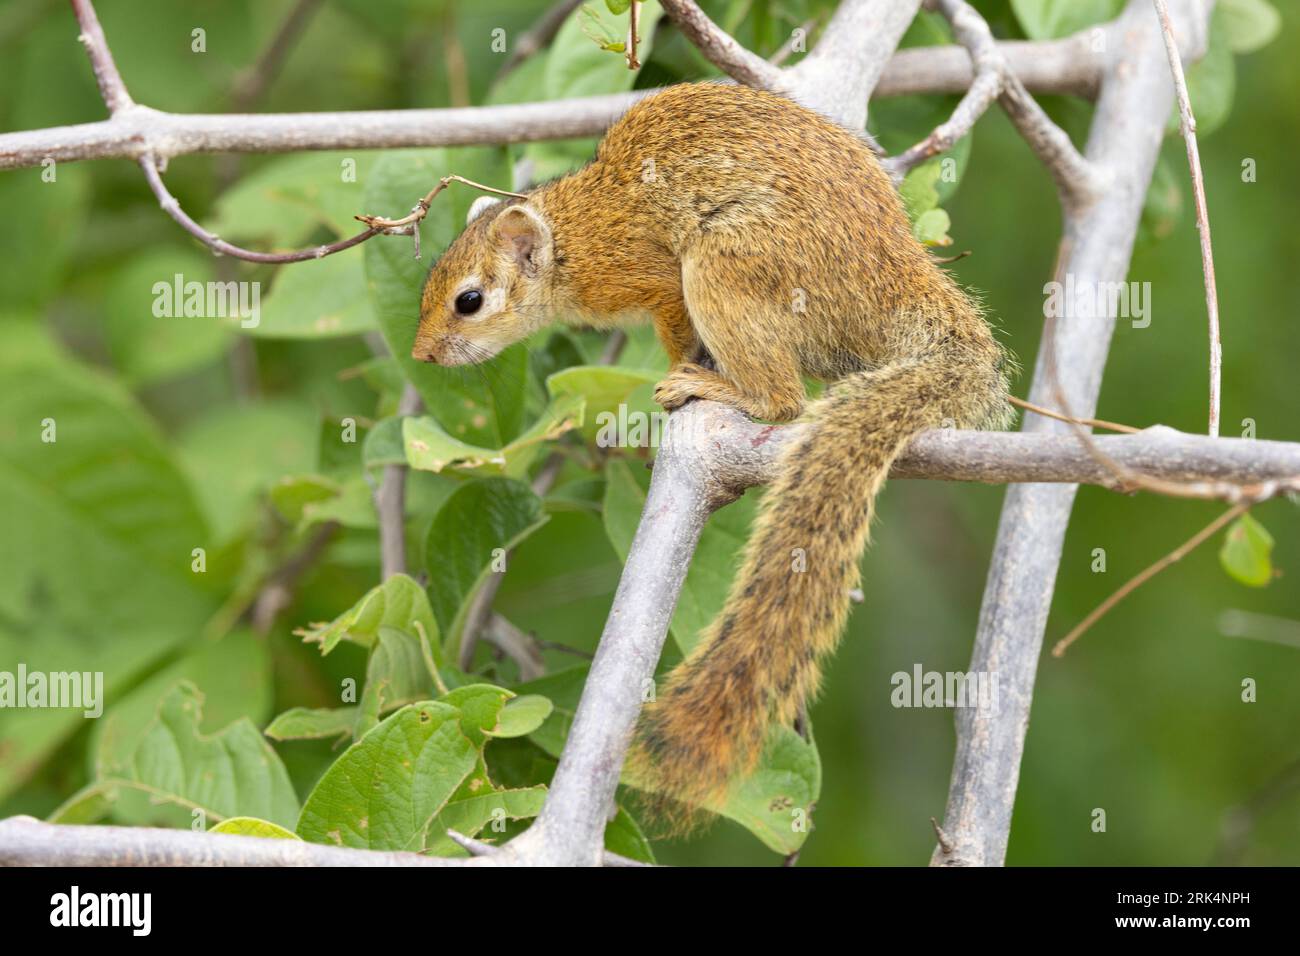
(684, 382)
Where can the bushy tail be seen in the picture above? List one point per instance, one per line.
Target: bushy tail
(758, 662)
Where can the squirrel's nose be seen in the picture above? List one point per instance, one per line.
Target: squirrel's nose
(424, 355)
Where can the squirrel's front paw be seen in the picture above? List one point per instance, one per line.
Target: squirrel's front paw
(684, 382)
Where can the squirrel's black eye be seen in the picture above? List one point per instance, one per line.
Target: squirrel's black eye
(467, 303)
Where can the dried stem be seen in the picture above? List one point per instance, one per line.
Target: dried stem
(1147, 574)
(390, 500)
(633, 35)
(1062, 417)
(1187, 126)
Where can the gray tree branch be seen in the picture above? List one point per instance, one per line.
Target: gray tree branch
(1127, 129)
(134, 131)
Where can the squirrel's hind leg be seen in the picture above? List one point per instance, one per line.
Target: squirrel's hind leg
(757, 369)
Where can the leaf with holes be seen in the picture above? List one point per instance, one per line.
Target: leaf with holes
(387, 788)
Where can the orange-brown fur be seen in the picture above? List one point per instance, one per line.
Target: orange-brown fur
(758, 233)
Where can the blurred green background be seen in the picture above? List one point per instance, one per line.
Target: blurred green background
(1143, 718)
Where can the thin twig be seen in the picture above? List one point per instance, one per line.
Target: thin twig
(111, 86)
(719, 48)
(540, 34)
(633, 14)
(422, 205)
(1187, 126)
(117, 98)
(1076, 179)
(944, 843)
(171, 205)
(390, 500)
(250, 84)
(987, 84)
(1147, 574)
(517, 645)
(1061, 417)
(276, 593)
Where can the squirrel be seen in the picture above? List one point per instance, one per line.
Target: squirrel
(765, 243)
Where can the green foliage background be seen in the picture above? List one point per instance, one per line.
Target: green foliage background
(182, 433)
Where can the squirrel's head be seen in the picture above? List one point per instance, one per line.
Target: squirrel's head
(491, 287)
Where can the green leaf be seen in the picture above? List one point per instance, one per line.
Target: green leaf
(292, 494)
(480, 708)
(234, 453)
(605, 389)
(1050, 19)
(233, 674)
(384, 444)
(305, 500)
(1211, 82)
(623, 836)
(920, 194)
(52, 215)
(284, 200)
(302, 723)
(775, 802)
(919, 190)
(479, 523)
(387, 788)
(1247, 552)
(232, 773)
(470, 815)
(931, 228)
(317, 299)
(399, 603)
(429, 448)
(521, 716)
(1163, 208)
(395, 675)
(1249, 24)
(563, 689)
(106, 523)
(576, 66)
(713, 565)
(148, 348)
(251, 826)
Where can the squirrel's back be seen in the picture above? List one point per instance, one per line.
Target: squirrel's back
(761, 177)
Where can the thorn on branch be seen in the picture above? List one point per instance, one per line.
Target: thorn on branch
(945, 843)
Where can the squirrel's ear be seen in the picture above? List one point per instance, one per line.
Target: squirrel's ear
(523, 234)
(478, 206)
